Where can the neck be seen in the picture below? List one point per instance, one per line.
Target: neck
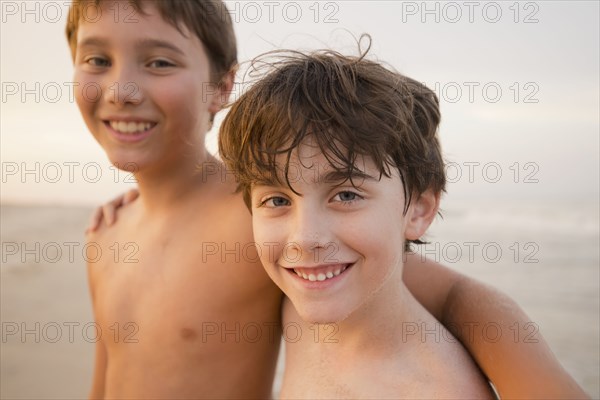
(163, 186)
(378, 325)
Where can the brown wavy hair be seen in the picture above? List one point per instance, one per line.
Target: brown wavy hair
(350, 106)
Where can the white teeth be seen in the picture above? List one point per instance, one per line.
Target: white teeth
(320, 276)
(130, 127)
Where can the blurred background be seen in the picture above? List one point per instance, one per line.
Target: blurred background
(519, 89)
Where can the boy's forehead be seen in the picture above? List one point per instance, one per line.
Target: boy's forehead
(126, 13)
(145, 26)
(115, 12)
(308, 162)
(309, 154)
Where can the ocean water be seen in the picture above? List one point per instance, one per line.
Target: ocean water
(543, 254)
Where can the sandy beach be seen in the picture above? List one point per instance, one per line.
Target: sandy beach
(47, 325)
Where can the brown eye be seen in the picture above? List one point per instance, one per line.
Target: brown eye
(161, 64)
(98, 62)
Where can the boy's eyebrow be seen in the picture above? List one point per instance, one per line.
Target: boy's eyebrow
(335, 176)
(92, 41)
(153, 43)
(265, 182)
(142, 43)
(342, 176)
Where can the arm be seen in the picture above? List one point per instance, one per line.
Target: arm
(97, 390)
(100, 362)
(519, 365)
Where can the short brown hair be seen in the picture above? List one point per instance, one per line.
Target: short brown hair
(351, 106)
(209, 20)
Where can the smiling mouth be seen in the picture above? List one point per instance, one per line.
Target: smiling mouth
(130, 127)
(310, 274)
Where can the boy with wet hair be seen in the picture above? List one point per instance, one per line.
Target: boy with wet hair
(176, 295)
(339, 163)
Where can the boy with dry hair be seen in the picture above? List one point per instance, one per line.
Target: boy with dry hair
(150, 77)
(209, 20)
(180, 305)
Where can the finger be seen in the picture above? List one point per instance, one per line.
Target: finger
(94, 220)
(109, 211)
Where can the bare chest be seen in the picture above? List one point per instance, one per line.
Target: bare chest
(173, 289)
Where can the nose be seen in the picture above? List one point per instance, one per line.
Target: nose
(123, 88)
(310, 234)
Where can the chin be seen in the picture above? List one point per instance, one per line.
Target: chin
(129, 161)
(126, 166)
(323, 314)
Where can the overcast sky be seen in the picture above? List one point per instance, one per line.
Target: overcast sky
(518, 83)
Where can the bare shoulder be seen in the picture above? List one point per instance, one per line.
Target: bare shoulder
(429, 281)
(123, 216)
(220, 225)
(452, 371)
(225, 204)
(106, 243)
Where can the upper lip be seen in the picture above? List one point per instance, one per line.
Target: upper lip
(316, 266)
(128, 119)
(319, 266)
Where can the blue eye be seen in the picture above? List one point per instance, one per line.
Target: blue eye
(346, 197)
(276, 201)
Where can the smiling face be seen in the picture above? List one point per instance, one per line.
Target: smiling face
(331, 247)
(143, 88)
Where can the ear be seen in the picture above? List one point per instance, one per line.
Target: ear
(421, 213)
(223, 91)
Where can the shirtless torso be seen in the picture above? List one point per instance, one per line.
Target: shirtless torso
(180, 299)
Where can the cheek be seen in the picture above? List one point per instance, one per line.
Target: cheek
(184, 88)
(269, 238)
(87, 93)
(378, 237)
(182, 102)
